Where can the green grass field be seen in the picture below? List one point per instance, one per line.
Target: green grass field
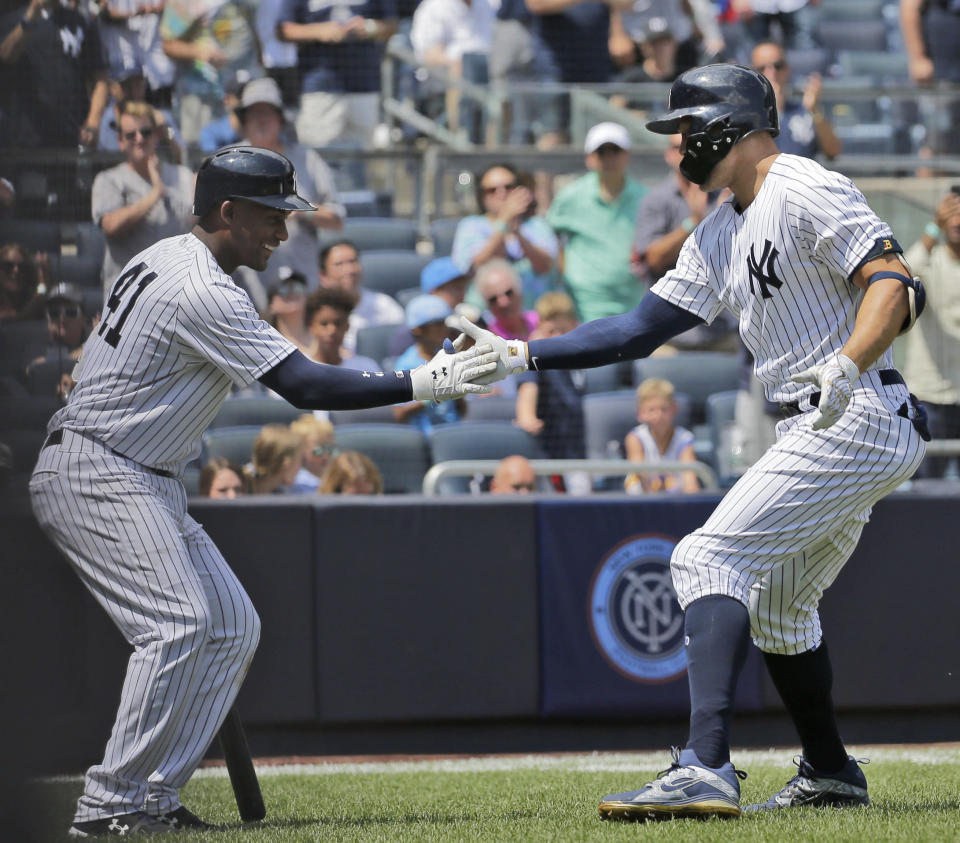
(915, 793)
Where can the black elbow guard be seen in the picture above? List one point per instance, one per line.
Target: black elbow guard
(916, 295)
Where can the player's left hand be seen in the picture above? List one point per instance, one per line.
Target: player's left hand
(452, 372)
(835, 379)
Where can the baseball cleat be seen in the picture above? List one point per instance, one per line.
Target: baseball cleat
(846, 788)
(687, 789)
(123, 825)
(185, 818)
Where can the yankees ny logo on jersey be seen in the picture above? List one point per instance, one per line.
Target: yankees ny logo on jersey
(764, 270)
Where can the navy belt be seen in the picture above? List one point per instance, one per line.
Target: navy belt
(888, 377)
(56, 437)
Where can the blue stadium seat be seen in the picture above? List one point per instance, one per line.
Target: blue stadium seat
(442, 232)
(376, 233)
(237, 412)
(83, 268)
(808, 60)
(880, 65)
(479, 440)
(234, 443)
(607, 378)
(372, 415)
(36, 235)
(698, 374)
(399, 450)
(392, 270)
(609, 416)
(850, 10)
(374, 341)
(404, 296)
(839, 35)
(721, 408)
(491, 408)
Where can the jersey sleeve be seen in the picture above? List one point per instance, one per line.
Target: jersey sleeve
(843, 227)
(688, 284)
(217, 323)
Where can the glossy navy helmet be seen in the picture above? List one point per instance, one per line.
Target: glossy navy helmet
(247, 172)
(725, 104)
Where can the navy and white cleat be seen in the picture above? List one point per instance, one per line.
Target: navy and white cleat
(847, 788)
(687, 789)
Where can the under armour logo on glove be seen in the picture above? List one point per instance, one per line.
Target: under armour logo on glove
(836, 380)
(453, 373)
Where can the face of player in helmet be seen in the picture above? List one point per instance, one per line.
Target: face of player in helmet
(255, 231)
(701, 170)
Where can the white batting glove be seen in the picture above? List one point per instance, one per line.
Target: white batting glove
(835, 379)
(511, 355)
(451, 373)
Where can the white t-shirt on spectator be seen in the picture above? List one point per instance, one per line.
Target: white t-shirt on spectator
(459, 28)
(374, 308)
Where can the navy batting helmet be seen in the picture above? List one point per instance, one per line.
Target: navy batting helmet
(725, 104)
(247, 172)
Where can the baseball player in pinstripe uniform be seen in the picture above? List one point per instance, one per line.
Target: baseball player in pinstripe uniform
(820, 290)
(176, 335)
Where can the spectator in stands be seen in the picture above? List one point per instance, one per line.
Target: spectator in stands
(514, 476)
(595, 217)
(931, 33)
(222, 479)
(288, 309)
(778, 20)
(932, 348)
(279, 57)
(501, 289)
(550, 403)
(130, 30)
(455, 35)
(277, 457)
(225, 130)
(667, 216)
(263, 122)
(655, 40)
(658, 438)
(319, 447)
(508, 228)
(328, 317)
(131, 86)
(56, 80)
(426, 319)
(67, 328)
(804, 128)
(351, 473)
(20, 279)
(338, 54)
(143, 199)
(211, 43)
(340, 267)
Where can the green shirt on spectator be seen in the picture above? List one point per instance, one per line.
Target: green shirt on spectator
(598, 237)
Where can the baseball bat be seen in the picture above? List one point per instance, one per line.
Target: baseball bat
(243, 778)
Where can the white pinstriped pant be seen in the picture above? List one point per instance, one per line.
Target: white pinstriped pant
(161, 579)
(781, 535)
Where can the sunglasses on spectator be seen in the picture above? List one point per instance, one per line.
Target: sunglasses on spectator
(70, 311)
(290, 290)
(9, 266)
(510, 292)
(326, 451)
(494, 188)
(779, 64)
(144, 133)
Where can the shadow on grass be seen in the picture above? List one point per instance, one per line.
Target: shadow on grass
(410, 818)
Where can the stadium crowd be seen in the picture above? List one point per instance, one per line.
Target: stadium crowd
(157, 84)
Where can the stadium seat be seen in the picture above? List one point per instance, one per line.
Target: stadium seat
(15, 339)
(721, 408)
(83, 268)
(28, 412)
(839, 35)
(372, 415)
(442, 232)
(376, 233)
(365, 203)
(374, 341)
(236, 412)
(44, 378)
(850, 10)
(491, 408)
(400, 451)
(24, 445)
(404, 296)
(234, 443)
(609, 416)
(868, 139)
(607, 378)
(879, 66)
(809, 60)
(479, 440)
(698, 374)
(92, 300)
(392, 270)
(36, 235)
(191, 481)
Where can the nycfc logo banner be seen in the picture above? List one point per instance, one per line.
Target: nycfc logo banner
(636, 621)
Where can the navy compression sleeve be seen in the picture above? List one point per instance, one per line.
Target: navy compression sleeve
(627, 336)
(314, 386)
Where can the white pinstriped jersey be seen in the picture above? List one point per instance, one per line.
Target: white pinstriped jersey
(176, 333)
(783, 268)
